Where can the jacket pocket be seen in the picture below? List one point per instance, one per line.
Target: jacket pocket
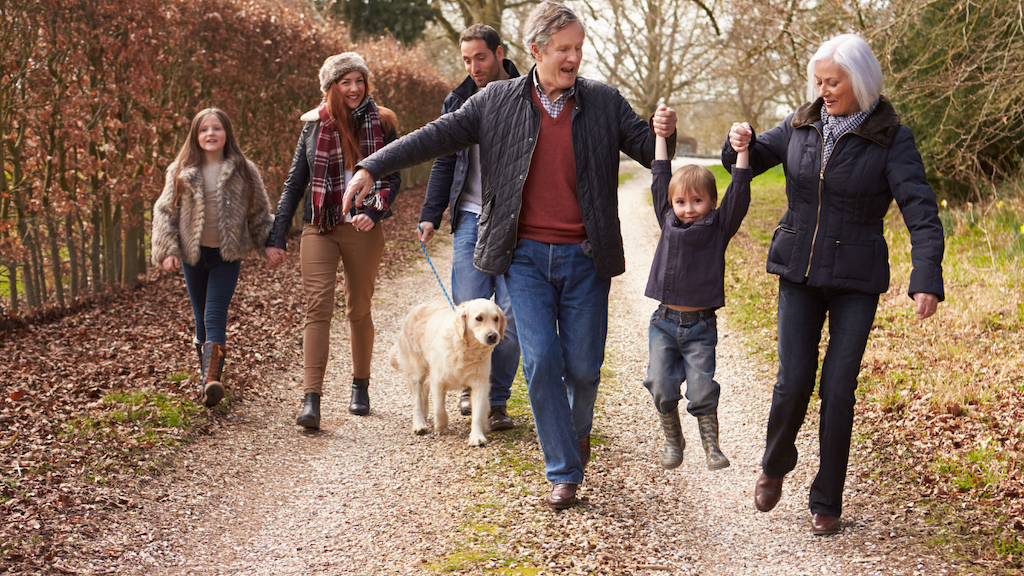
(854, 260)
(486, 209)
(781, 248)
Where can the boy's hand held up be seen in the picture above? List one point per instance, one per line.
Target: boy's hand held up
(664, 122)
(740, 135)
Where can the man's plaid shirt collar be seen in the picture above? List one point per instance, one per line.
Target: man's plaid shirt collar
(553, 108)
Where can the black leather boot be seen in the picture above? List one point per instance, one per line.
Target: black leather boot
(709, 438)
(310, 415)
(360, 404)
(672, 457)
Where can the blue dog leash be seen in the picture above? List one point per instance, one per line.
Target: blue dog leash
(424, 247)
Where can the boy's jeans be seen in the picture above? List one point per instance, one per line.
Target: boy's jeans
(211, 284)
(682, 347)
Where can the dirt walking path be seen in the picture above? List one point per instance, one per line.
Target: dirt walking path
(365, 496)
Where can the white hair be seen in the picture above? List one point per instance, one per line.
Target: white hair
(546, 19)
(853, 55)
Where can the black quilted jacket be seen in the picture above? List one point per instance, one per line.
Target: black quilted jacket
(505, 122)
(831, 233)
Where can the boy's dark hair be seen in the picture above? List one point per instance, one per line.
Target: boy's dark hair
(693, 178)
(481, 32)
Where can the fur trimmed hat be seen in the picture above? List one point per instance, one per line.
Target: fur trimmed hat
(338, 65)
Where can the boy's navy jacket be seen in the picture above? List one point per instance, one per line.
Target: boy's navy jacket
(689, 262)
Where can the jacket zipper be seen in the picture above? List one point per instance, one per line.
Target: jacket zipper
(515, 220)
(821, 181)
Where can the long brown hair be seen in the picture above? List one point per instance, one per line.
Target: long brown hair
(191, 154)
(351, 149)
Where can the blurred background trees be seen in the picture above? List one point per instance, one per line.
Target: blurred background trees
(95, 97)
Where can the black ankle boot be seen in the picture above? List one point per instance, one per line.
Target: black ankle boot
(360, 405)
(310, 416)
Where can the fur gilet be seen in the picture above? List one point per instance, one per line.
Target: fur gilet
(243, 224)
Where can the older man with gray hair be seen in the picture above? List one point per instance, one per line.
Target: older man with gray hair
(549, 153)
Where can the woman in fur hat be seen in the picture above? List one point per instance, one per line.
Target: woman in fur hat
(213, 211)
(346, 127)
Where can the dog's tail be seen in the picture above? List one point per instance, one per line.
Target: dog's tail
(393, 357)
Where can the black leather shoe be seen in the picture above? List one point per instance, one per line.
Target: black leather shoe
(562, 496)
(310, 415)
(767, 493)
(499, 419)
(824, 524)
(360, 404)
(465, 405)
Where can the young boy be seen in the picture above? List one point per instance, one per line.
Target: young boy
(688, 278)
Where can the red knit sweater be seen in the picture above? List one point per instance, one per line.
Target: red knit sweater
(551, 206)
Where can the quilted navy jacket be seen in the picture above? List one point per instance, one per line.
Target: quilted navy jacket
(831, 233)
(505, 122)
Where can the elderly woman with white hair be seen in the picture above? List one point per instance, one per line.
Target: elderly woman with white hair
(846, 157)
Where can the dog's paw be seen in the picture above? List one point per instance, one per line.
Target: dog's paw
(420, 430)
(477, 440)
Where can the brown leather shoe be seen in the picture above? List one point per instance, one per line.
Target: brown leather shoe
(562, 496)
(767, 492)
(465, 406)
(499, 419)
(585, 451)
(824, 524)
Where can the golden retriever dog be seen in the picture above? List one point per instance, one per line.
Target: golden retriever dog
(441, 350)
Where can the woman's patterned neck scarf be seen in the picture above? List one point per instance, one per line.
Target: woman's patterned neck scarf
(328, 166)
(832, 127)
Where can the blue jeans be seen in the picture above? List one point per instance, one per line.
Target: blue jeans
(469, 283)
(211, 284)
(561, 308)
(802, 312)
(681, 346)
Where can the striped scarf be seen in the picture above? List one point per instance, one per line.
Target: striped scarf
(832, 127)
(327, 183)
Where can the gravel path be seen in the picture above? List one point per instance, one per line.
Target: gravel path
(365, 496)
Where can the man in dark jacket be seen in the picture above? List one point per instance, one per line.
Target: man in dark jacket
(549, 154)
(455, 182)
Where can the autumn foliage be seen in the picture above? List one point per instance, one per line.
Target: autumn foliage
(95, 98)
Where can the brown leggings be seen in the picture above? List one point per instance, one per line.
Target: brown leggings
(360, 254)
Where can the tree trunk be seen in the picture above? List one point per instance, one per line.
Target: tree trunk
(69, 238)
(55, 261)
(12, 285)
(94, 252)
(132, 266)
(110, 268)
(38, 263)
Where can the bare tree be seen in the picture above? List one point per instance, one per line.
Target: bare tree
(654, 50)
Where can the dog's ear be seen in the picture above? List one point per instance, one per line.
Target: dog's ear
(501, 324)
(461, 322)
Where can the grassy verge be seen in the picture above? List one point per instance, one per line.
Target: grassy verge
(939, 403)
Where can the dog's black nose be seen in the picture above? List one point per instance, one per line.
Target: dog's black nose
(492, 338)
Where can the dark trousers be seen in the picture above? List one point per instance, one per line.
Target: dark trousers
(801, 314)
(211, 285)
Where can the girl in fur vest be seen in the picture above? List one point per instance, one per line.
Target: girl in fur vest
(212, 212)
(346, 127)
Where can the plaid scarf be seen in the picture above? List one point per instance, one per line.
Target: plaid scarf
(328, 166)
(832, 127)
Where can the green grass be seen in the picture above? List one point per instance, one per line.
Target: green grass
(625, 177)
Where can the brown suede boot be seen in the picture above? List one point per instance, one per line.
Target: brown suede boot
(672, 457)
(213, 366)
